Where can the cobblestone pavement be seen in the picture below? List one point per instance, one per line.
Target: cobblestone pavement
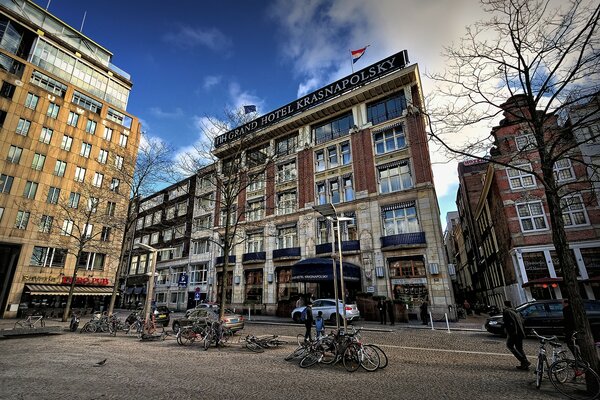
(423, 364)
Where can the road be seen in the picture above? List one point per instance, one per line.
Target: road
(423, 364)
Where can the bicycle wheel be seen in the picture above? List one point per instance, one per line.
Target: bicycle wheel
(19, 325)
(311, 358)
(186, 337)
(575, 380)
(207, 340)
(370, 359)
(299, 352)
(539, 371)
(351, 357)
(89, 328)
(255, 347)
(383, 359)
(329, 350)
(300, 339)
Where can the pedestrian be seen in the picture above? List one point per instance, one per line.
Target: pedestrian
(300, 302)
(467, 307)
(515, 333)
(424, 315)
(569, 325)
(320, 325)
(382, 312)
(391, 311)
(308, 321)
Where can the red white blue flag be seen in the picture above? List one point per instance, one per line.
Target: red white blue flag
(357, 54)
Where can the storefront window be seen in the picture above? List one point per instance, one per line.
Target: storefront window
(591, 259)
(557, 266)
(535, 265)
(254, 289)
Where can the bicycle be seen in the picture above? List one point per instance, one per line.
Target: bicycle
(258, 344)
(30, 322)
(575, 378)
(189, 334)
(542, 360)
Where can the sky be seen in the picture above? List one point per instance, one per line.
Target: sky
(193, 59)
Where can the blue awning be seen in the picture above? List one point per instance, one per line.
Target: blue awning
(321, 269)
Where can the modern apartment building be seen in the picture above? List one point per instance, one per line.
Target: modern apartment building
(66, 143)
(506, 218)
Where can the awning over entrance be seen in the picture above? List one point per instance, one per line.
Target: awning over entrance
(63, 290)
(321, 269)
(542, 281)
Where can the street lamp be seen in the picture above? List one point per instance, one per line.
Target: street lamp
(150, 294)
(329, 212)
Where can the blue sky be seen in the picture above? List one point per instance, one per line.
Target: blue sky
(193, 59)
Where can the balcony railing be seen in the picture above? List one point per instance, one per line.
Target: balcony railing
(221, 260)
(414, 239)
(291, 252)
(347, 246)
(259, 256)
(323, 248)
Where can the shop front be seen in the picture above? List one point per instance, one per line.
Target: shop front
(317, 275)
(408, 280)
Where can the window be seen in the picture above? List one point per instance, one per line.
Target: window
(98, 178)
(573, 211)
(232, 216)
(22, 219)
(256, 157)
(108, 132)
(139, 224)
(323, 231)
(334, 191)
(287, 145)
(1, 212)
(170, 214)
(286, 172)
(2, 117)
(320, 160)
(86, 149)
(114, 185)
(520, 179)
(204, 222)
(67, 227)
(332, 155)
(49, 84)
(59, 168)
(154, 237)
(133, 265)
(38, 161)
(53, 110)
(563, 171)
(400, 219)
(87, 230)
(66, 143)
(90, 126)
(205, 202)
(105, 235)
(393, 178)
(156, 217)
(199, 274)
(79, 174)
(31, 101)
(526, 141)
(45, 225)
(348, 188)
(201, 246)
(123, 140)
(321, 194)
(531, 216)
(386, 109)
(53, 195)
(91, 261)
(333, 129)
(179, 231)
(7, 90)
(23, 127)
(389, 140)
(167, 235)
(85, 101)
(92, 204)
(102, 156)
(254, 242)
(73, 118)
(5, 183)
(286, 203)
(30, 190)
(14, 154)
(148, 220)
(255, 210)
(74, 200)
(256, 182)
(345, 154)
(118, 162)
(111, 206)
(181, 208)
(48, 257)
(287, 237)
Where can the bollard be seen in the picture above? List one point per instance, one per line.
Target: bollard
(248, 313)
(447, 324)
(431, 320)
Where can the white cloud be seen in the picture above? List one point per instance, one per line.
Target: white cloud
(160, 113)
(210, 81)
(188, 37)
(240, 98)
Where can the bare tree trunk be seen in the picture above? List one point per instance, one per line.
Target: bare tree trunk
(65, 316)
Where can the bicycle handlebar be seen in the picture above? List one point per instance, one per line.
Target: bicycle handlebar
(545, 338)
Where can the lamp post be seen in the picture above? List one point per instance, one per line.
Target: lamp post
(329, 212)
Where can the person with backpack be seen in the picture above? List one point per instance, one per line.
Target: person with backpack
(320, 325)
(307, 317)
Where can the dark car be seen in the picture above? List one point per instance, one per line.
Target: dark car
(546, 317)
(231, 320)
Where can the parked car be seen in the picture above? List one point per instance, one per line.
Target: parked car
(546, 317)
(231, 320)
(212, 306)
(327, 306)
(162, 315)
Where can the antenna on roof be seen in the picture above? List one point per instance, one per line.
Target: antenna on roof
(48, 5)
(83, 22)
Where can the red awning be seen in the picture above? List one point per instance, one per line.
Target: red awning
(541, 281)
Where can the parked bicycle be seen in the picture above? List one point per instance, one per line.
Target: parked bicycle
(259, 344)
(542, 362)
(190, 334)
(575, 378)
(31, 322)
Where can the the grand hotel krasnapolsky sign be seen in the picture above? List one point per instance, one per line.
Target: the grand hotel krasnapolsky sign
(359, 78)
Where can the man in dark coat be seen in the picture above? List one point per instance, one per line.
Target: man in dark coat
(515, 333)
(569, 324)
(382, 314)
(424, 315)
(391, 309)
(308, 322)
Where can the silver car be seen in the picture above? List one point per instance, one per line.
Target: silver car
(327, 307)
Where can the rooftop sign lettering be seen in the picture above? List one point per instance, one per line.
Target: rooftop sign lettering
(359, 78)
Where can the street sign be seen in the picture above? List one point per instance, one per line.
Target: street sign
(370, 289)
(197, 296)
(183, 280)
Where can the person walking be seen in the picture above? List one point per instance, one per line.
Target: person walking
(515, 333)
(569, 325)
(308, 321)
(391, 311)
(424, 314)
(320, 325)
(382, 311)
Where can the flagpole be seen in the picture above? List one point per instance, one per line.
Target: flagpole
(351, 61)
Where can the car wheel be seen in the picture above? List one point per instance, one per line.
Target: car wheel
(333, 320)
(296, 317)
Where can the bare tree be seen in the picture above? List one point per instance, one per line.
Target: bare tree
(139, 178)
(549, 58)
(237, 168)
